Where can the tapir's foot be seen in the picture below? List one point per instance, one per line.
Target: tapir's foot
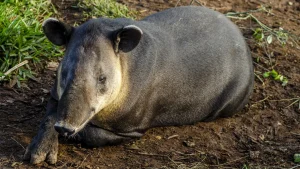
(93, 136)
(43, 147)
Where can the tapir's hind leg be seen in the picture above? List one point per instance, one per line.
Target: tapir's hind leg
(93, 136)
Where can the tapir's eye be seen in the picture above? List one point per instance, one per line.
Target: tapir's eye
(102, 79)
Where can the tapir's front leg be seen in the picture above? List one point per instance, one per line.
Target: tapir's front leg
(44, 145)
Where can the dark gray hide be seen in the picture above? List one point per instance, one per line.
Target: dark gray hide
(120, 77)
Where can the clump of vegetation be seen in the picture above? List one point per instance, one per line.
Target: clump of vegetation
(297, 158)
(108, 8)
(281, 35)
(276, 76)
(263, 32)
(22, 42)
(264, 36)
(21, 38)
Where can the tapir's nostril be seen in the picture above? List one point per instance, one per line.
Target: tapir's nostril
(64, 130)
(93, 109)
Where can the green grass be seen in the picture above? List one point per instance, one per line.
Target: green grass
(276, 76)
(21, 36)
(22, 42)
(108, 8)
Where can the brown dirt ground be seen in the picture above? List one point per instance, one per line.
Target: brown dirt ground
(265, 135)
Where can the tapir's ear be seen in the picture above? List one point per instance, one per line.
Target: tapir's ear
(128, 38)
(57, 32)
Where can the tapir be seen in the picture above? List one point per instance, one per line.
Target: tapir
(120, 77)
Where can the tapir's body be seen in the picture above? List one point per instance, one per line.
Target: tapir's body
(120, 77)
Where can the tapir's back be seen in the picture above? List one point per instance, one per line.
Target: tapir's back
(203, 69)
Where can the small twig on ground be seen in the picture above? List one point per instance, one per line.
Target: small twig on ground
(295, 100)
(263, 83)
(175, 162)
(62, 166)
(15, 67)
(184, 154)
(198, 165)
(148, 154)
(18, 143)
(294, 103)
(250, 11)
(228, 162)
(296, 134)
(261, 66)
(177, 3)
(268, 54)
(173, 136)
(266, 98)
(191, 3)
(83, 161)
(295, 167)
(158, 155)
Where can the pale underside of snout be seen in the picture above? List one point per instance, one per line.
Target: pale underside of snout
(66, 129)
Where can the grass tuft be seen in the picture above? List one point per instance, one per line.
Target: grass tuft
(107, 8)
(22, 42)
(21, 37)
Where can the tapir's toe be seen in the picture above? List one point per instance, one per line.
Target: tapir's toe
(52, 158)
(36, 159)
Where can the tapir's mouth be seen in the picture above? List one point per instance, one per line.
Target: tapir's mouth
(84, 123)
(69, 130)
(82, 126)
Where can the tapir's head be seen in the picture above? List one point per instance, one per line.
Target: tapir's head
(90, 75)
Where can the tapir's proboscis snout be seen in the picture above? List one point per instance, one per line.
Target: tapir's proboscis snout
(63, 129)
(121, 77)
